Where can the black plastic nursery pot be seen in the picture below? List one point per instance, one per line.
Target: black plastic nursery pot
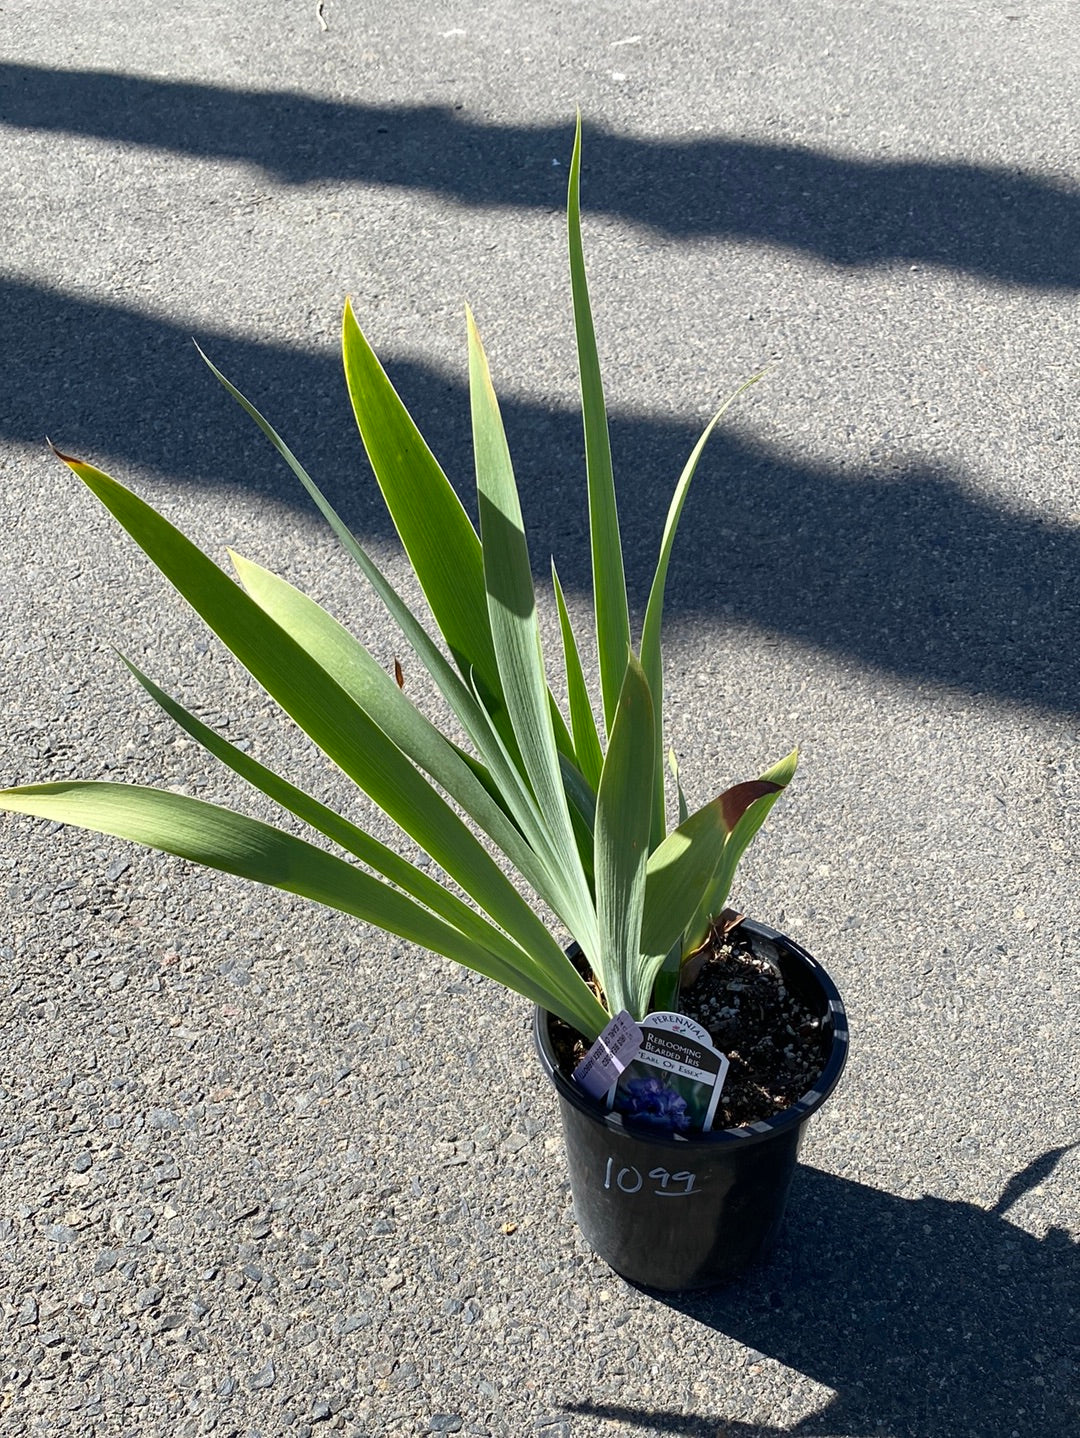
(670, 1212)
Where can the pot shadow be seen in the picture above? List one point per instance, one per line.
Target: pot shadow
(1013, 226)
(928, 1317)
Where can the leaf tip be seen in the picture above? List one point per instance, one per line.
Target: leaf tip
(68, 459)
(349, 323)
(735, 801)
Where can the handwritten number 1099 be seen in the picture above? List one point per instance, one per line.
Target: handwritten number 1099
(629, 1180)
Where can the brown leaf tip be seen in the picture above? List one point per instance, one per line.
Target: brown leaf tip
(735, 801)
(67, 458)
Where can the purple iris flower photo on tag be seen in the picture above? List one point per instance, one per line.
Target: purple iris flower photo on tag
(650, 1100)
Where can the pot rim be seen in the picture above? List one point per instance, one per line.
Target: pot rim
(743, 1135)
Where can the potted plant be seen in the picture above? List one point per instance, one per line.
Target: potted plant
(574, 807)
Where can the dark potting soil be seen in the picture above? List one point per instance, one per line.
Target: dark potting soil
(775, 1043)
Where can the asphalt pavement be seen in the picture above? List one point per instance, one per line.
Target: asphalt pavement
(265, 1172)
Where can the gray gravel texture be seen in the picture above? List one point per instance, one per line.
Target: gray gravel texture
(265, 1173)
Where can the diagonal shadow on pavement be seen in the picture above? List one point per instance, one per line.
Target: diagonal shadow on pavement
(1001, 223)
(902, 569)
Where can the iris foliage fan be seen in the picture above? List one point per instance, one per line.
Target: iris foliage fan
(534, 813)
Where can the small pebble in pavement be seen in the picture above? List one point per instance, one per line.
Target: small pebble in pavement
(265, 1376)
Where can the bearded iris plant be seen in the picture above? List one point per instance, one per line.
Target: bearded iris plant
(574, 806)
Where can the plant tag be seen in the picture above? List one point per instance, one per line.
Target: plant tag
(613, 1050)
(675, 1081)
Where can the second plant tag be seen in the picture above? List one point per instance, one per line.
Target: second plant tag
(609, 1055)
(674, 1082)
